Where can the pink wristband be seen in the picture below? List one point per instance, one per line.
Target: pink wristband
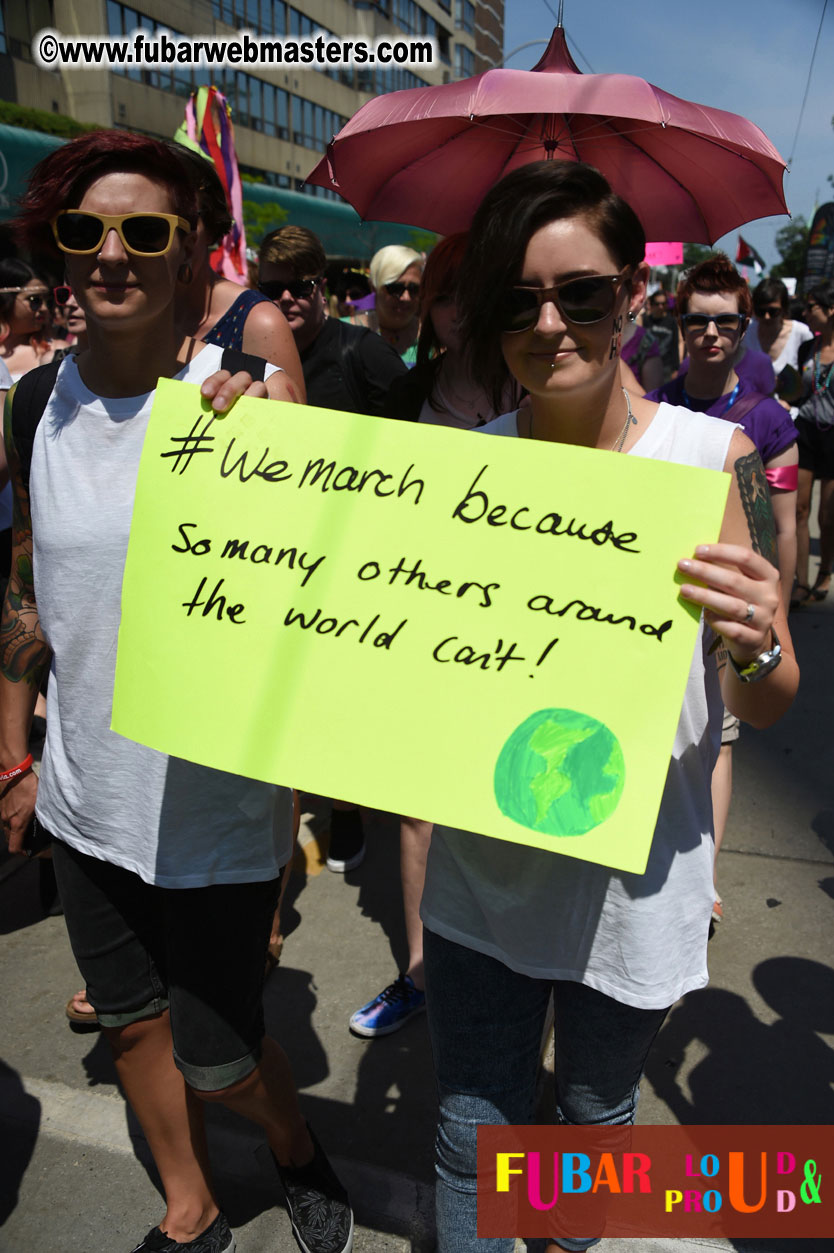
(26, 764)
(783, 478)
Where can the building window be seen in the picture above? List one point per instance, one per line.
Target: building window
(464, 61)
(465, 16)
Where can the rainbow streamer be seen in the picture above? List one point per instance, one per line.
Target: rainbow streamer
(208, 129)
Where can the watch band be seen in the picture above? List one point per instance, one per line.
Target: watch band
(752, 671)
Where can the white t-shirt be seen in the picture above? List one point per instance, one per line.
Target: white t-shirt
(641, 939)
(173, 823)
(789, 354)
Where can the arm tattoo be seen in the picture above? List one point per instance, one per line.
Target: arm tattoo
(755, 498)
(24, 653)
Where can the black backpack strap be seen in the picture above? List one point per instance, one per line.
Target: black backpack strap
(31, 396)
(234, 361)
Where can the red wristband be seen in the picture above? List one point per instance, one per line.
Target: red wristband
(26, 764)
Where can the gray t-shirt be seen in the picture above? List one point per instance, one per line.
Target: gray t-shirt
(173, 823)
(641, 939)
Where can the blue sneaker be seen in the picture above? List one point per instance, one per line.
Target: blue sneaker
(390, 1010)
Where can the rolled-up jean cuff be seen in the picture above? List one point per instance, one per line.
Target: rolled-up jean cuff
(216, 1078)
(154, 1007)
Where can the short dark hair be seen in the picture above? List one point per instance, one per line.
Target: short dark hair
(821, 293)
(509, 215)
(716, 274)
(211, 198)
(767, 291)
(60, 180)
(296, 247)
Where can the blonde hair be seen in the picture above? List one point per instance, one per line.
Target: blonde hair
(390, 262)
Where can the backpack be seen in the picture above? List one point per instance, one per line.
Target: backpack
(35, 387)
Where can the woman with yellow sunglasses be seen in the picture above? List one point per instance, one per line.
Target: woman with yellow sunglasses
(168, 872)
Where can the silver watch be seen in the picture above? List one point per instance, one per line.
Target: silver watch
(752, 671)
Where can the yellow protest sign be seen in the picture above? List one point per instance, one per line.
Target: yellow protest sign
(480, 631)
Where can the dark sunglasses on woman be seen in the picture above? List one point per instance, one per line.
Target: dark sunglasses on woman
(81, 232)
(398, 290)
(62, 295)
(34, 299)
(299, 288)
(583, 301)
(725, 323)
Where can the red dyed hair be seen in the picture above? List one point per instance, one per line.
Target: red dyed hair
(61, 178)
(439, 282)
(716, 274)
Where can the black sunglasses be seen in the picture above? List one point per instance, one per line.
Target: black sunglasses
(580, 300)
(299, 288)
(725, 323)
(35, 299)
(62, 295)
(770, 311)
(398, 290)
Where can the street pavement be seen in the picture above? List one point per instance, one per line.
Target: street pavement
(756, 1046)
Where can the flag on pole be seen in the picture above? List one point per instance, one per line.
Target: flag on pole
(746, 252)
(208, 129)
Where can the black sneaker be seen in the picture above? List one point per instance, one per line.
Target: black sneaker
(217, 1238)
(318, 1205)
(347, 840)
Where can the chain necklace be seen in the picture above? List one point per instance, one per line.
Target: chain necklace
(618, 447)
(821, 384)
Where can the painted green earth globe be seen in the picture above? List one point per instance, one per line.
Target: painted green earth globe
(561, 772)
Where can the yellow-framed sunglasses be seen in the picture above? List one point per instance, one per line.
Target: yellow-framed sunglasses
(81, 232)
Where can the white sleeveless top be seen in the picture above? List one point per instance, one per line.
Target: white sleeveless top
(641, 939)
(173, 823)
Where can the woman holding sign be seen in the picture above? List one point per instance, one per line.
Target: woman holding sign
(553, 267)
(168, 872)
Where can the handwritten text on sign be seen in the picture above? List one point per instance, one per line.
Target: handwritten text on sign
(484, 632)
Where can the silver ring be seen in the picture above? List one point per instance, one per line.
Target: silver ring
(748, 617)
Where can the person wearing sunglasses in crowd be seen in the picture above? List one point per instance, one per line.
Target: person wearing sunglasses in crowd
(395, 273)
(168, 871)
(815, 432)
(774, 332)
(658, 319)
(442, 391)
(25, 316)
(347, 368)
(554, 264)
(714, 306)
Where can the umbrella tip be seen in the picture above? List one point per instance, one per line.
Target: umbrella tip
(556, 56)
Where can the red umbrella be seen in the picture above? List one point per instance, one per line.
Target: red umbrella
(428, 155)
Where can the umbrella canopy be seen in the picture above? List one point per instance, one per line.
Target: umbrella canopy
(429, 155)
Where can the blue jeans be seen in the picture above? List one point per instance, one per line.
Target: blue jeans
(486, 1024)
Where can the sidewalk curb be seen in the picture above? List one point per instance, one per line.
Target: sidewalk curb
(383, 1200)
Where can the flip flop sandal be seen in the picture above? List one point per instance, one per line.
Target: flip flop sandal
(89, 1017)
(796, 600)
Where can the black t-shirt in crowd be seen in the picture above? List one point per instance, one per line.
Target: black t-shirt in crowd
(350, 368)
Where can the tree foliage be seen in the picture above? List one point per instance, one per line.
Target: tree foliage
(39, 120)
(791, 244)
(694, 254)
(260, 219)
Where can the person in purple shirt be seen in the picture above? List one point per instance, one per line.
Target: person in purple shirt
(713, 306)
(754, 367)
